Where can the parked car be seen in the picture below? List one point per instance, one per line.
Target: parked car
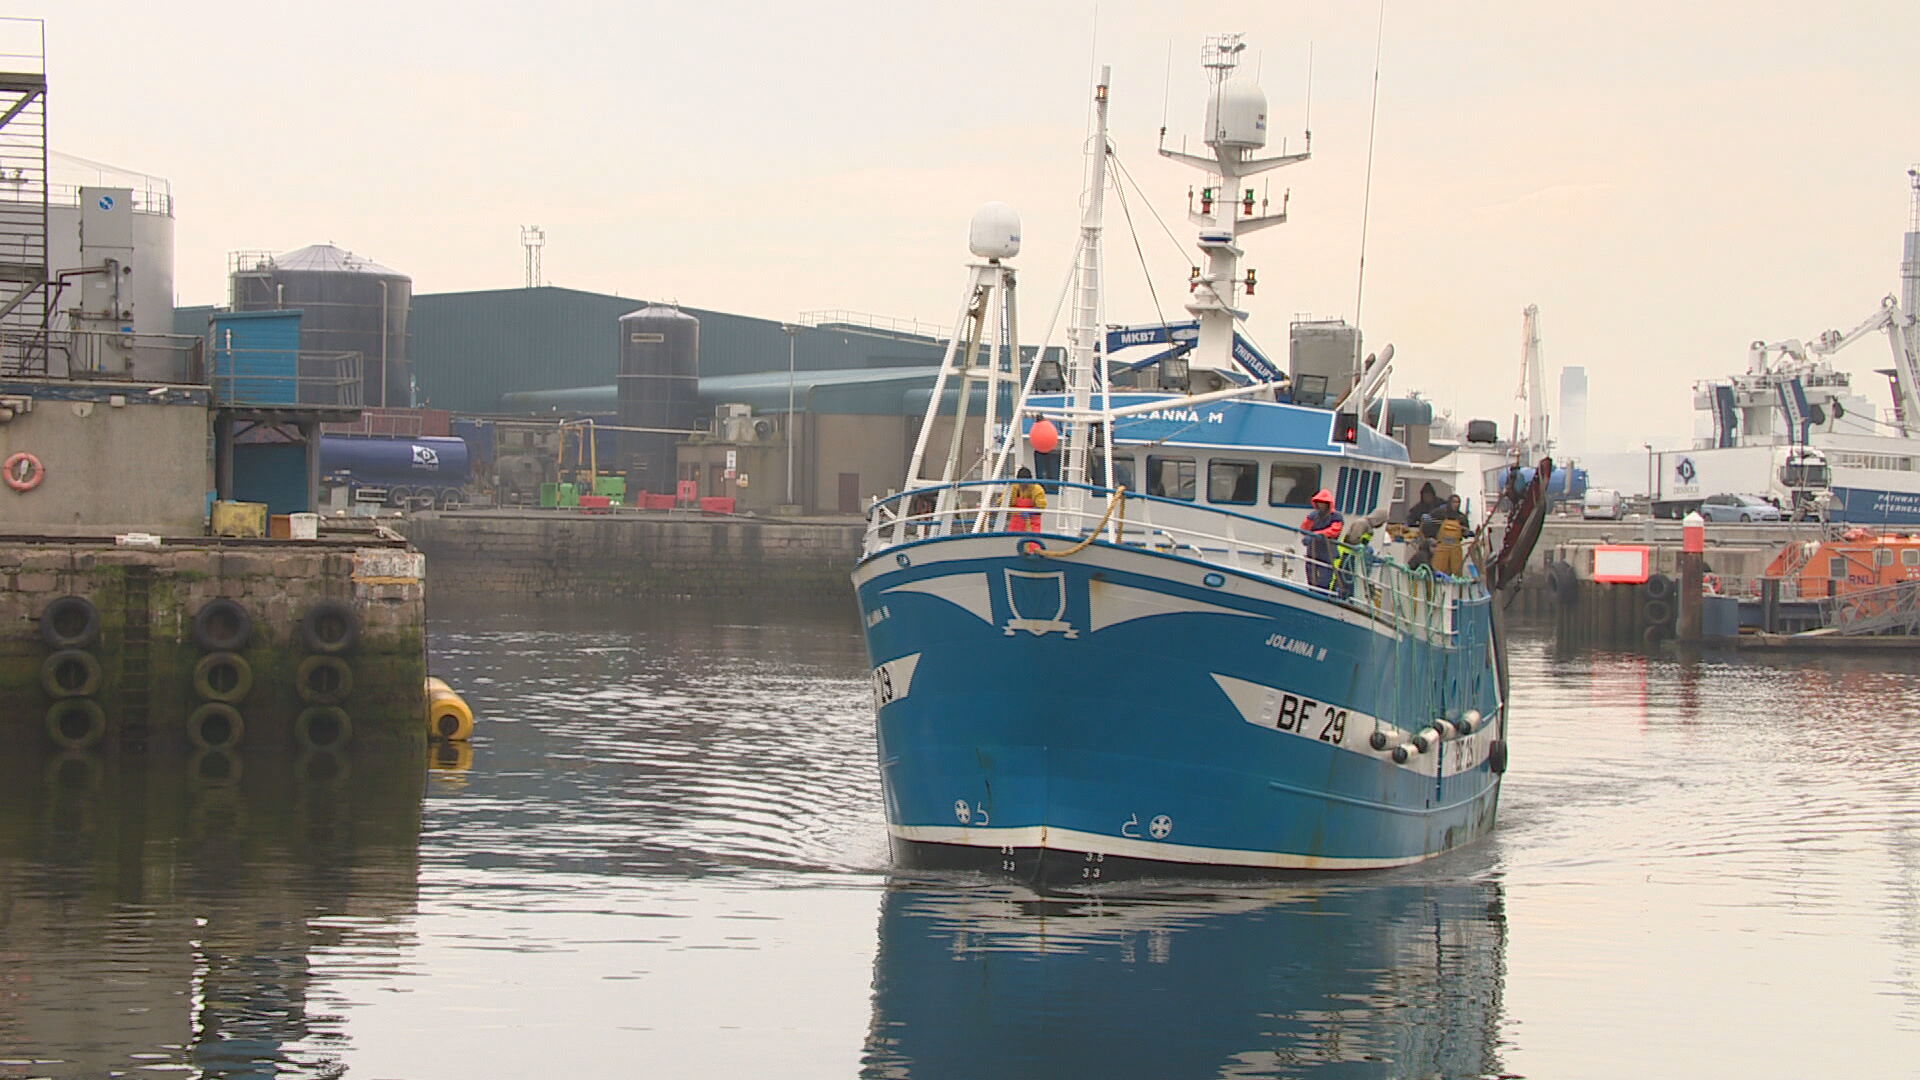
(1602, 503)
(1738, 508)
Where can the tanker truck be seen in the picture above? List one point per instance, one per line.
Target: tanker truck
(429, 471)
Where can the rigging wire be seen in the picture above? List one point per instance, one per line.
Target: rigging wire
(1148, 203)
(1120, 196)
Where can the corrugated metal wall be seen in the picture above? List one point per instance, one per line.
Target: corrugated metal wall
(471, 348)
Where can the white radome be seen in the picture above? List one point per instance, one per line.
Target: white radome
(995, 232)
(1237, 116)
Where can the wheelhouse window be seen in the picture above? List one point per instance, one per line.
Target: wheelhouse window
(1837, 568)
(1171, 478)
(1292, 484)
(1236, 482)
(1910, 557)
(1883, 557)
(1122, 471)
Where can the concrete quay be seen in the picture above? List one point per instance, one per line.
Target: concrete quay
(648, 555)
(223, 646)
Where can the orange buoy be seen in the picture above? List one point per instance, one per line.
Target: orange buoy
(24, 471)
(1044, 436)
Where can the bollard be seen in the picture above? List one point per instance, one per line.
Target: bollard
(1693, 573)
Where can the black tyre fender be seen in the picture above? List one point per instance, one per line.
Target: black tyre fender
(1659, 587)
(76, 723)
(214, 765)
(70, 673)
(216, 726)
(1497, 755)
(70, 622)
(1659, 612)
(1566, 587)
(223, 676)
(330, 627)
(325, 767)
(323, 680)
(323, 727)
(222, 625)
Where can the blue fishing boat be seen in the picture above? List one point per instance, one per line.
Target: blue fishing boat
(1108, 639)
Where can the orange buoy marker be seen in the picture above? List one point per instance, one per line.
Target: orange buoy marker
(1044, 436)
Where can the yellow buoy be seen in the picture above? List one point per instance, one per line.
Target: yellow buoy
(448, 716)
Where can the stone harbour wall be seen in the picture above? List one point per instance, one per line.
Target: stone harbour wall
(146, 650)
(644, 556)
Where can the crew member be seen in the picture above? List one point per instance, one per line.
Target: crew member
(1025, 495)
(1450, 531)
(1323, 526)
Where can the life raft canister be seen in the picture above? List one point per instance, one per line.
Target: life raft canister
(24, 471)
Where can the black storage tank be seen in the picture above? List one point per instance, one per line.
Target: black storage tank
(348, 304)
(658, 387)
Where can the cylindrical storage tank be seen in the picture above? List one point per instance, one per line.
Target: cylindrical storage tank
(658, 387)
(347, 304)
(147, 280)
(380, 461)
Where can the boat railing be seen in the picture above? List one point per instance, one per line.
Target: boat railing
(1359, 576)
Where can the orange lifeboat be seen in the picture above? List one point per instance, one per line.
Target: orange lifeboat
(1855, 562)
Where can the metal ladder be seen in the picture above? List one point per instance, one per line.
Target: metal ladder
(136, 668)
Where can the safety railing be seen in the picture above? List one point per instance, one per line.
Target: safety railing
(94, 355)
(1359, 576)
(1890, 609)
(285, 378)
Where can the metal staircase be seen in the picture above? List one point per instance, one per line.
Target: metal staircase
(25, 301)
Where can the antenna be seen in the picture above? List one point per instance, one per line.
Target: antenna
(1309, 120)
(533, 238)
(1366, 201)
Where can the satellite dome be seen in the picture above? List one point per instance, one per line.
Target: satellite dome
(995, 233)
(1237, 115)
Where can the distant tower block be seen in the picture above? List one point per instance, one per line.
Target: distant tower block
(1573, 412)
(533, 238)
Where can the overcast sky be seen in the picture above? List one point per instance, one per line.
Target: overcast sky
(1667, 181)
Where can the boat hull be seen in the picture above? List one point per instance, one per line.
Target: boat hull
(1125, 711)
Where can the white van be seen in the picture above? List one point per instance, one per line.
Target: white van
(1602, 503)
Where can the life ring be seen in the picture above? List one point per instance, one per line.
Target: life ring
(70, 673)
(76, 723)
(223, 676)
(330, 627)
(24, 471)
(222, 625)
(71, 622)
(1712, 584)
(215, 726)
(323, 727)
(323, 680)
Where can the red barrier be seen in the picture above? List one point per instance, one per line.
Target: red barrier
(650, 501)
(716, 504)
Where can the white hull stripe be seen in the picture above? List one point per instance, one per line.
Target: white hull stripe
(1045, 836)
(1287, 713)
(965, 591)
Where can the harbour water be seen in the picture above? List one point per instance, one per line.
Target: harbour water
(664, 857)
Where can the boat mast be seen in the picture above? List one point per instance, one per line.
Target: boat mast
(1084, 331)
(1236, 127)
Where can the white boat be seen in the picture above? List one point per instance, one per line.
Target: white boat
(1792, 425)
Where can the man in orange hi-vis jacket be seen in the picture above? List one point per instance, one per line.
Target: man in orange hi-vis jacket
(1322, 527)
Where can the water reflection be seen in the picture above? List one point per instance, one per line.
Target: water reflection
(1395, 976)
(170, 912)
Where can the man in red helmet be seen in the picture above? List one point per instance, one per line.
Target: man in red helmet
(1322, 527)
